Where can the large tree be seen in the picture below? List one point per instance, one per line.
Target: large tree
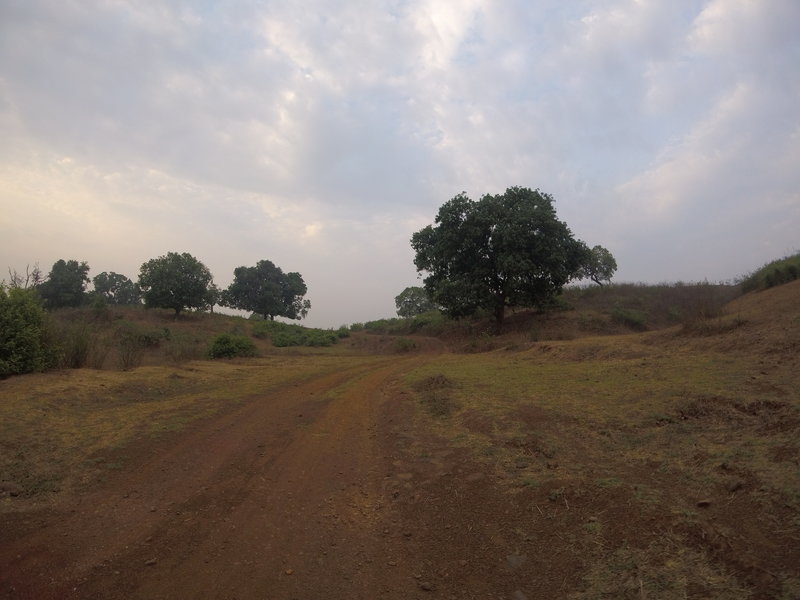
(65, 284)
(175, 281)
(117, 289)
(413, 301)
(267, 291)
(503, 250)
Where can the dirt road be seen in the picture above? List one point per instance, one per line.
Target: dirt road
(283, 497)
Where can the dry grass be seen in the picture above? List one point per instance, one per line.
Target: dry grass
(684, 443)
(56, 429)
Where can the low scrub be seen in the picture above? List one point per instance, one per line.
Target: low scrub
(774, 273)
(231, 346)
(428, 323)
(284, 334)
(134, 340)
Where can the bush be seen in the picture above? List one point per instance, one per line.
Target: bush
(75, 341)
(775, 273)
(265, 329)
(633, 319)
(230, 346)
(183, 346)
(285, 334)
(133, 341)
(23, 335)
(405, 345)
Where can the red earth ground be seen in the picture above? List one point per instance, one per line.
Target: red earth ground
(289, 497)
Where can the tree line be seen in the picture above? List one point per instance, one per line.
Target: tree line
(175, 281)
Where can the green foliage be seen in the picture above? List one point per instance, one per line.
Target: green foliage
(175, 281)
(504, 250)
(230, 346)
(65, 284)
(430, 323)
(285, 334)
(600, 266)
(117, 289)
(266, 290)
(405, 345)
(774, 273)
(385, 326)
(633, 319)
(413, 301)
(23, 333)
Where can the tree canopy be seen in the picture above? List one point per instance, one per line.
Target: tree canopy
(175, 281)
(65, 284)
(413, 301)
(503, 250)
(116, 288)
(600, 266)
(267, 291)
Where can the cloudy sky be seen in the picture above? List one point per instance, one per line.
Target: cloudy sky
(320, 134)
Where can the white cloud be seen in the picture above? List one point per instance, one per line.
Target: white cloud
(321, 136)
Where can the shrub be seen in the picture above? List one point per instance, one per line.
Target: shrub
(133, 341)
(405, 345)
(23, 335)
(75, 342)
(630, 318)
(774, 273)
(265, 329)
(181, 347)
(230, 346)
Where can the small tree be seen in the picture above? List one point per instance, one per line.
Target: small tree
(413, 301)
(175, 281)
(117, 289)
(504, 250)
(266, 290)
(31, 279)
(23, 346)
(600, 266)
(65, 284)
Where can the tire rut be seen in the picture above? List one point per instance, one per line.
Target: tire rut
(279, 498)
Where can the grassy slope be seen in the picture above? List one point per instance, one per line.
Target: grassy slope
(692, 432)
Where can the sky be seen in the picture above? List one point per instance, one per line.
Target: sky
(322, 134)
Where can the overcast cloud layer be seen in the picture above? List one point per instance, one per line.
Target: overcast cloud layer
(321, 135)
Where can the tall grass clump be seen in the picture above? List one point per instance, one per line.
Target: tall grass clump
(134, 340)
(639, 306)
(75, 342)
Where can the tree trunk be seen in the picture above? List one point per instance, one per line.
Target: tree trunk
(499, 315)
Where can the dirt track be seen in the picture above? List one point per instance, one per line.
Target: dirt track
(281, 498)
